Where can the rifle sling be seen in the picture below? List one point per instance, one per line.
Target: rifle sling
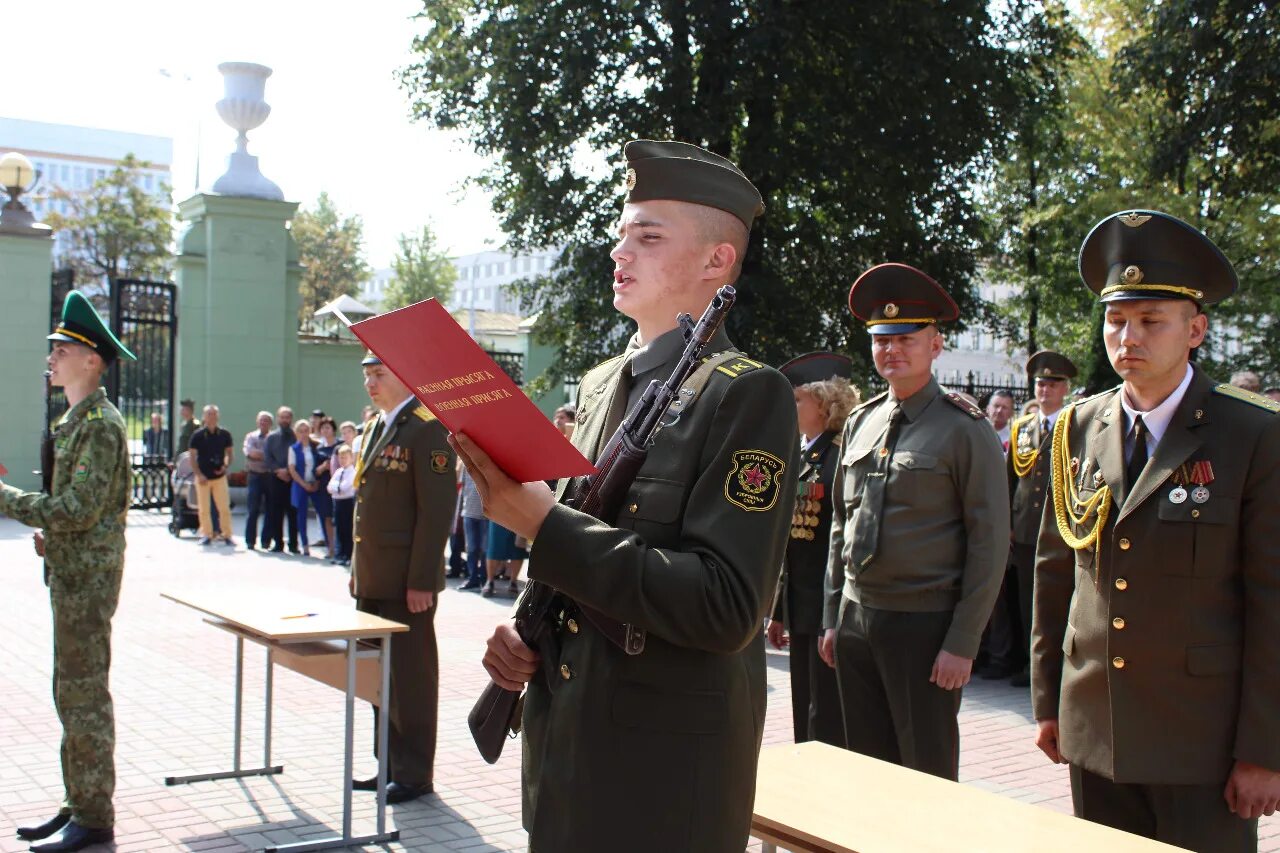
(630, 638)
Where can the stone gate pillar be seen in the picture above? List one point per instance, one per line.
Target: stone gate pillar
(237, 275)
(26, 264)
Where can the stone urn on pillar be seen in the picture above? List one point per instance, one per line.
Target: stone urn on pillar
(243, 108)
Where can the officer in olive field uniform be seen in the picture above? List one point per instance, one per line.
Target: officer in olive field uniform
(658, 750)
(405, 492)
(1049, 373)
(919, 536)
(1155, 660)
(802, 589)
(82, 517)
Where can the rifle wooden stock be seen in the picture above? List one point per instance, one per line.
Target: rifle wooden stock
(599, 495)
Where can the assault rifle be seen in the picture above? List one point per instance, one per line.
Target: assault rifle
(599, 495)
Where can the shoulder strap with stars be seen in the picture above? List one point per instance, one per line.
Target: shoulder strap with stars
(964, 405)
(1247, 397)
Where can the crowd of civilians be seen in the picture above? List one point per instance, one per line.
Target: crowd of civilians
(292, 469)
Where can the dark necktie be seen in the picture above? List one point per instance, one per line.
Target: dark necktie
(867, 531)
(1138, 456)
(617, 404)
(1044, 427)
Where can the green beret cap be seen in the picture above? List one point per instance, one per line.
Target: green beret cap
(1146, 254)
(896, 299)
(80, 324)
(682, 172)
(816, 367)
(1048, 364)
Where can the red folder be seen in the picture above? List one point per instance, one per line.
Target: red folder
(463, 387)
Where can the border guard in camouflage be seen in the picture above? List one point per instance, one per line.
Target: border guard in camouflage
(919, 535)
(1155, 661)
(657, 750)
(82, 520)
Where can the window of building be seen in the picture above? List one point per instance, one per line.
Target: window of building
(528, 264)
(149, 181)
(66, 174)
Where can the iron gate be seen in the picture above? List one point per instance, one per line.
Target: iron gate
(143, 314)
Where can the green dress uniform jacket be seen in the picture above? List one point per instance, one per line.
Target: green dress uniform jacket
(405, 491)
(1156, 649)
(1029, 492)
(658, 751)
(83, 519)
(406, 487)
(943, 539)
(803, 587)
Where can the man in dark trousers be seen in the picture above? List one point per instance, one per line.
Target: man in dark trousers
(279, 509)
(824, 399)
(1155, 663)
(405, 492)
(919, 537)
(657, 750)
(1050, 374)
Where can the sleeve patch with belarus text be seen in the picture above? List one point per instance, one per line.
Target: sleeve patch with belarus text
(439, 461)
(754, 480)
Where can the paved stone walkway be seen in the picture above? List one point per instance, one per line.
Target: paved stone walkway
(172, 683)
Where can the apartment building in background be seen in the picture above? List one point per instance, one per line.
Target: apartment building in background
(72, 158)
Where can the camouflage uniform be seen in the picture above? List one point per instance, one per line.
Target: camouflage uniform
(83, 520)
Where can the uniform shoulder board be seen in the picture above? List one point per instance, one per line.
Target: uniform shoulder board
(738, 365)
(424, 414)
(1023, 420)
(94, 414)
(876, 399)
(965, 406)
(1247, 396)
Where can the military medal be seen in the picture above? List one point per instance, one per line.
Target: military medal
(1178, 495)
(1197, 474)
(1200, 494)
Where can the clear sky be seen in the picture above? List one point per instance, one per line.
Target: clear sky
(339, 120)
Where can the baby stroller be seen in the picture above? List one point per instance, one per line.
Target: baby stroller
(184, 514)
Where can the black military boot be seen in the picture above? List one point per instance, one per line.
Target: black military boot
(74, 837)
(44, 830)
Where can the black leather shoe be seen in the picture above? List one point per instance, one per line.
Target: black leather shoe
(75, 837)
(44, 830)
(399, 792)
(370, 784)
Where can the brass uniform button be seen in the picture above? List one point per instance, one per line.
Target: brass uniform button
(1124, 544)
(1117, 662)
(357, 540)
(1118, 623)
(1122, 584)
(565, 672)
(572, 625)
(633, 508)
(1195, 513)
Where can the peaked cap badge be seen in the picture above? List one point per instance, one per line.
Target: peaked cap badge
(1132, 274)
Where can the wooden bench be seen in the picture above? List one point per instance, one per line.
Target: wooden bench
(815, 798)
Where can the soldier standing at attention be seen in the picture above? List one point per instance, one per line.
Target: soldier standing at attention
(81, 537)
(919, 537)
(1050, 374)
(405, 492)
(824, 399)
(672, 734)
(1155, 663)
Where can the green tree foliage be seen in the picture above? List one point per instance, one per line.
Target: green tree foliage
(1160, 105)
(331, 253)
(862, 129)
(115, 228)
(420, 271)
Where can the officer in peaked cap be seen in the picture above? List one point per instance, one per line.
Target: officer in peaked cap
(82, 518)
(824, 398)
(691, 560)
(1049, 374)
(919, 535)
(1157, 586)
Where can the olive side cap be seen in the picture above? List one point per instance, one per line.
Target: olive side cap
(679, 171)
